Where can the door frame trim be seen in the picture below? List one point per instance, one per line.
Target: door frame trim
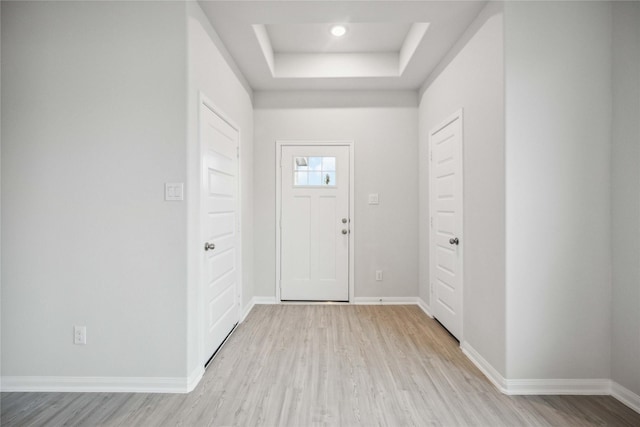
(458, 115)
(205, 102)
(278, 171)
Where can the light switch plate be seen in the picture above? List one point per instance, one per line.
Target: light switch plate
(373, 198)
(173, 191)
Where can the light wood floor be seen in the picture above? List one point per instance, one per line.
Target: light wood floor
(333, 365)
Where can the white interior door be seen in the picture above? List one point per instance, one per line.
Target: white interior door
(446, 224)
(314, 223)
(219, 144)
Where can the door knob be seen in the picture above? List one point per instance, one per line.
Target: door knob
(344, 220)
(454, 241)
(344, 231)
(209, 246)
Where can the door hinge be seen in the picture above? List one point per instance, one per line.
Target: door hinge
(238, 152)
(431, 155)
(431, 221)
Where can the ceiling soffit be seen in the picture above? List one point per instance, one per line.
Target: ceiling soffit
(366, 50)
(389, 45)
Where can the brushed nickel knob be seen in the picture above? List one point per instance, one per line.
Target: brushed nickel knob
(209, 246)
(454, 241)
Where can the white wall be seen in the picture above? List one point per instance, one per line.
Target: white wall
(211, 75)
(558, 132)
(385, 130)
(625, 187)
(471, 78)
(93, 125)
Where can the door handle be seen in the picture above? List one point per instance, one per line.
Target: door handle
(344, 231)
(454, 241)
(209, 246)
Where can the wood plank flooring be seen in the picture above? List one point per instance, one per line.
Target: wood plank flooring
(326, 365)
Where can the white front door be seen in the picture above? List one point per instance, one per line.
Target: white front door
(219, 145)
(446, 224)
(314, 224)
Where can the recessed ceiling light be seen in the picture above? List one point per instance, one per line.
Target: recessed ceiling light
(338, 30)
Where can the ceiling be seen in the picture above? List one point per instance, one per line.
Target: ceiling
(389, 45)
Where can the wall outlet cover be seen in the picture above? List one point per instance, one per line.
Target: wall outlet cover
(80, 335)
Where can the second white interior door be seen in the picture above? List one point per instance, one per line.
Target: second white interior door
(219, 144)
(314, 223)
(446, 224)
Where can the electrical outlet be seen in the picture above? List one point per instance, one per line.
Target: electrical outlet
(378, 275)
(80, 335)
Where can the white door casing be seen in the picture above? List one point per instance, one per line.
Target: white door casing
(314, 222)
(446, 237)
(219, 227)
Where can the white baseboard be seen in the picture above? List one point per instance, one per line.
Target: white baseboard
(264, 300)
(186, 385)
(194, 378)
(485, 367)
(247, 310)
(597, 386)
(589, 386)
(625, 396)
(385, 300)
(423, 305)
(357, 301)
(253, 302)
(101, 384)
